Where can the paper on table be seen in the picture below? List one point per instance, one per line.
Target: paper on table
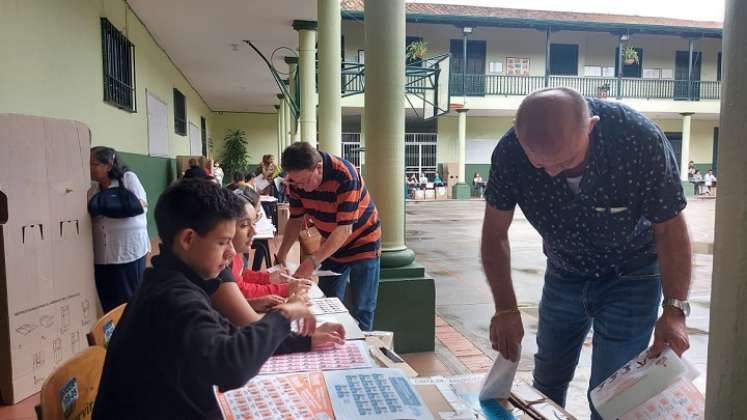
(374, 394)
(497, 383)
(351, 355)
(292, 267)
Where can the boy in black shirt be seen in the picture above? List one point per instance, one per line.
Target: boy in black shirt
(170, 346)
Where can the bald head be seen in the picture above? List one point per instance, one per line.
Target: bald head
(553, 127)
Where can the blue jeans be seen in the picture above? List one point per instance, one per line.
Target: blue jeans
(364, 288)
(622, 308)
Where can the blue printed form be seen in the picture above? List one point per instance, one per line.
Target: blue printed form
(378, 393)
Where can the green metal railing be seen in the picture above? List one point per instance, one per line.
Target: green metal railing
(481, 85)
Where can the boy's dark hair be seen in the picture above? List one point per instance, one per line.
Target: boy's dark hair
(237, 176)
(300, 156)
(249, 176)
(194, 203)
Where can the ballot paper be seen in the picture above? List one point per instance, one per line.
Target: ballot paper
(498, 381)
(351, 355)
(680, 401)
(331, 305)
(639, 381)
(374, 394)
(292, 267)
(295, 396)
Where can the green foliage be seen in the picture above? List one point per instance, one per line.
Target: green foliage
(235, 156)
(630, 54)
(417, 50)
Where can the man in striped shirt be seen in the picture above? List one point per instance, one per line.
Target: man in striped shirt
(330, 192)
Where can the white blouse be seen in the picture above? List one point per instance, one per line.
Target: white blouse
(120, 241)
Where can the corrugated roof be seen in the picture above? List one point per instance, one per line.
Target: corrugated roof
(502, 13)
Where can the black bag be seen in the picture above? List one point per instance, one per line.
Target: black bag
(117, 203)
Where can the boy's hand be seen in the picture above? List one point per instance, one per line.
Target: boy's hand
(327, 335)
(298, 297)
(265, 303)
(297, 311)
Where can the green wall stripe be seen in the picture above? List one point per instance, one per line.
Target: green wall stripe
(155, 174)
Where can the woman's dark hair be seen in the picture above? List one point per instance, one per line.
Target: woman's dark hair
(194, 203)
(248, 194)
(300, 156)
(237, 176)
(107, 155)
(249, 176)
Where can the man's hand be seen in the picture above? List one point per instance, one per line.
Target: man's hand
(305, 270)
(327, 335)
(506, 332)
(297, 311)
(670, 331)
(265, 303)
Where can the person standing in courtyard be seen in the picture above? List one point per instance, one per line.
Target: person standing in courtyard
(329, 190)
(613, 239)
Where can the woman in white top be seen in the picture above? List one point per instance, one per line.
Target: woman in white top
(119, 245)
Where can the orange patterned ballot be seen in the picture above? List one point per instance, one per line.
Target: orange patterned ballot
(290, 396)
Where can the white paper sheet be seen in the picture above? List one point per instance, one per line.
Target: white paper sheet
(498, 381)
(374, 394)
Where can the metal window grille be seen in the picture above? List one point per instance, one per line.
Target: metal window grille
(420, 152)
(351, 148)
(118, 55)
(180, 113)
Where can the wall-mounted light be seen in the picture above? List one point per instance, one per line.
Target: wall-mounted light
(467, 30)
(624, 37)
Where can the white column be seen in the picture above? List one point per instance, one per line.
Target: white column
(363, 136)
(330, 112)
(726, 398)
(462, 151)
(307, 68)
(685, 156)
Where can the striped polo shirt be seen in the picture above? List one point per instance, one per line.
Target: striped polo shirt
(341, 199)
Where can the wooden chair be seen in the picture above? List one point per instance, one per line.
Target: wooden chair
(70, 391)
(104, 327)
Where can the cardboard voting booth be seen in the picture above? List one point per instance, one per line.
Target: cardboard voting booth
(47, 292)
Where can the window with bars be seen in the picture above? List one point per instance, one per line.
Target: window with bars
(180, 113)
(118, 55)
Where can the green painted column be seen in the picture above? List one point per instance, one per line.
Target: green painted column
(292, 75)
(330, 112)
(405, 290)
(685, 156)
(461, 190)
(727, 346)
(384, 119)
(307, 68)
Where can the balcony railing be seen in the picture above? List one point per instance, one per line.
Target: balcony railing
(481, 85)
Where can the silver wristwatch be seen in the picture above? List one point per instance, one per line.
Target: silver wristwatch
(682, 305)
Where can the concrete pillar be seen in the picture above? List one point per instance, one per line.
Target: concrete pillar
(384, 119)
(330, 112)
(404, 287)
(462, 143)
(307, 69)
(685, 155)
(292, 76)
(727, 347)
(280, 119)
(288, 123)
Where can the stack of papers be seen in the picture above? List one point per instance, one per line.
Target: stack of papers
(650, 389)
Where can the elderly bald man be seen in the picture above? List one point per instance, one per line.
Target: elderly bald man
(599, 182)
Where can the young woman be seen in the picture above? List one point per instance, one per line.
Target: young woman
(119, 245)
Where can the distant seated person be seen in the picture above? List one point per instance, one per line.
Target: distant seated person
(263, 290)
(171, 346)
(195, 171)
(437, 182)
(237, 181)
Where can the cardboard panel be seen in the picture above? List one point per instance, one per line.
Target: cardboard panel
(46, 257)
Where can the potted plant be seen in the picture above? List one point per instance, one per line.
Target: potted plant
(417, 50)
(603, 91)
(630, 56)
(235, 157)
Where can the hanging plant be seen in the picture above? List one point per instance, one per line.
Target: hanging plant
(630, 56)
(417, 50)
(235, 157)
